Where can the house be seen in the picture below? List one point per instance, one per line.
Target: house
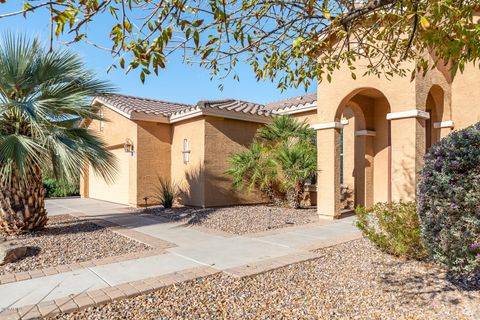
(187, 144)
(395, 122)
(372, 134)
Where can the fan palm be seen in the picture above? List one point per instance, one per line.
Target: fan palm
(298, 162)
(253, 169)
(44, 96)
(285, 128)
(278, 163)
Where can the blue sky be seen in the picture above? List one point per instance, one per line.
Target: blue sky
(178, 83)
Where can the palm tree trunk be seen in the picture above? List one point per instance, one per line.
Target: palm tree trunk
(294, 196)
(22, 205)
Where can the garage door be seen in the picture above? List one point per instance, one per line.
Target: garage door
(116, 191)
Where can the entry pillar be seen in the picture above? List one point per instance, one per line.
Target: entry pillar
(364, 173)
(328, 172)
(407, 130)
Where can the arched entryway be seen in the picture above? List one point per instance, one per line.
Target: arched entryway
(360, 140)
(435, 108)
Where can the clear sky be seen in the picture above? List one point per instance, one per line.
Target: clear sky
(178, 83)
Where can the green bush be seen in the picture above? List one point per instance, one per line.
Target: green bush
(449, 201)
(278, 163)
(393, 227)
(166, 192)
(54, 189)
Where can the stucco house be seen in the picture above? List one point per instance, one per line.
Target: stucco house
(372, 134)
(188, 144)
(394, 121)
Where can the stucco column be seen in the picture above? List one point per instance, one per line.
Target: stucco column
(84, 183)
(328, 174)
(364, 171)
(407, 131)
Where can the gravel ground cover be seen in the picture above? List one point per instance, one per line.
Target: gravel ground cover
(68, 240)
(239, 219)
(349, 281)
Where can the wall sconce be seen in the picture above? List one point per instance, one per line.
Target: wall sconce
(128, 146)
(186, 151)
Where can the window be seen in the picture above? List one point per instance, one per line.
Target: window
(186, 151)
(102, 123)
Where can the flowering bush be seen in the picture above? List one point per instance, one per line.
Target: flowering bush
(449, 201)
(394, 228)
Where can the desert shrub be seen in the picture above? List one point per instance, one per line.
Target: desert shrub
(166, 192)
(449, 201)
(393, 227)
(55, 189)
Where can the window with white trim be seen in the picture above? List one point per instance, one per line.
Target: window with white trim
(186, 151)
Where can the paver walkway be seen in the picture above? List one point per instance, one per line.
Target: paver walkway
(190, 248)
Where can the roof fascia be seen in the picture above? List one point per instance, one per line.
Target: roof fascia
(296, 109)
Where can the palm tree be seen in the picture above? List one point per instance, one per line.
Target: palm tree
(253, 169)
(43, 98)
(279, 161)
(285, 128)
(298, 162)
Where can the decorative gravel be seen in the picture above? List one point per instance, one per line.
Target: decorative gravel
(349, 281)
(240, 219)
(68, 240)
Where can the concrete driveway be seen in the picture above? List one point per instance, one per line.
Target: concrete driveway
(90, 207)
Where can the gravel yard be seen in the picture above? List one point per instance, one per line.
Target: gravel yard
(68, 240)
(240, 219)
(349, 281)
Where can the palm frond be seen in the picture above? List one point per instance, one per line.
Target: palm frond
(43, 97)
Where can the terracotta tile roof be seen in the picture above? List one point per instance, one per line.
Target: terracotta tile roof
(129, 104)
(235, 105)
(292, 102)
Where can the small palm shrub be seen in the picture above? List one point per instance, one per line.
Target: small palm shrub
(56, 189)
(166, 192)
(449, 201)
(278, 163)
(394, 228)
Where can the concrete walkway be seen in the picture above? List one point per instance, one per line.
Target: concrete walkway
(191, 248)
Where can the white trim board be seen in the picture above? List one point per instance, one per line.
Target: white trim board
(328, 125)
(444, 124)
(415, 113)
(368, 133)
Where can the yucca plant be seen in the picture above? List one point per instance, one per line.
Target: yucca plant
(166, 192)
(44, 96)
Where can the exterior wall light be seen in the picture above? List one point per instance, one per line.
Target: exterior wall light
(186, 151)
(128, 147)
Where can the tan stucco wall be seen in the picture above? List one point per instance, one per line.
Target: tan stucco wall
(117, 129)
(466, 98)
(394, 155)
(224, 137)
(309, 117)
(153, 154)
(189, 176)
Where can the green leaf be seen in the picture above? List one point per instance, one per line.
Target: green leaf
(196, 38)
(424, 22)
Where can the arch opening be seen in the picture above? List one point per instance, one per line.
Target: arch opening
(365, 153)
(435, 107)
